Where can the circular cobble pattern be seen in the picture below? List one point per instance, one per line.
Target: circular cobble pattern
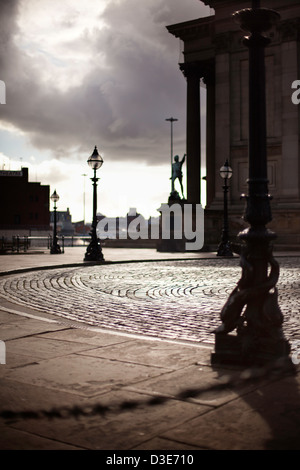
(174, 300)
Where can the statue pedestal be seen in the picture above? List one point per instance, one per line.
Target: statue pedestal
(175, 198)
(176, 241)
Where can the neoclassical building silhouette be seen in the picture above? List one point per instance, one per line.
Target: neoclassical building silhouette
(214, 54)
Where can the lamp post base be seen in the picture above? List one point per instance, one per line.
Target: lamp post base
(248, 349)
(94, 252)
(55, 250)
(252, 311)
(224, 249)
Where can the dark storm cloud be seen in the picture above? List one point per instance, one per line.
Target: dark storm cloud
(9, 9)
(121, 103)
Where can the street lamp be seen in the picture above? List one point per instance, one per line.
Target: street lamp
(252, 308)
(171, 120)
(224, 248)
(55, 248)
(94, 250)
(84, 175)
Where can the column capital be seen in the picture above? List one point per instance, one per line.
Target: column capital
(191, 70)
(199, 69)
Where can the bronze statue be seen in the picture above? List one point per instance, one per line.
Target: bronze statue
(177, 172)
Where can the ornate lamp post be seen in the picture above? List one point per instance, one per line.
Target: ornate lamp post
(224, 247)
(252, 308)
(94, 250)
(55, 248)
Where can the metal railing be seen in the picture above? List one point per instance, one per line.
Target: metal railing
(15, 244)
(18, 244)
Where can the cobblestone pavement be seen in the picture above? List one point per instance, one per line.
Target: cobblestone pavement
(178, 300)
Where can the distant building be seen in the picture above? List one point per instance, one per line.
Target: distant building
(81, 228)
(24, 205)
(63, 221)
(133, 230)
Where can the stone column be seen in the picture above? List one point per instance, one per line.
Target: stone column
(209, 80)
(290, 112)
(192, 72)
(222, 109)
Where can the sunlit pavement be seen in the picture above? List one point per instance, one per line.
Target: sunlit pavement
(137, 330)
(41, 257)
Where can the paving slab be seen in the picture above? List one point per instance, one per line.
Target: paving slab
(19, 431)
(122, 429)
(265, 419)
(14, 439)
(91, 336)
(82, 375)
(19, 397)
(44, 348)
(128, 429)
(163, 444)
(200, 384)
(169, 355)
(11, 329)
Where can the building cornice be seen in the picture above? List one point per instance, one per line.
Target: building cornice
(199, 28)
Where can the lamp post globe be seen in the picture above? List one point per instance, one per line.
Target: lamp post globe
(226, 171)
(94, 250)
(95, 161)
(224, 248)
(55, 248)
(54, 197)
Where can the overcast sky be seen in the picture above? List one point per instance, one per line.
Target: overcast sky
(81, 73)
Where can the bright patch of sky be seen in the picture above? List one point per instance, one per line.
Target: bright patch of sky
(60, 34)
